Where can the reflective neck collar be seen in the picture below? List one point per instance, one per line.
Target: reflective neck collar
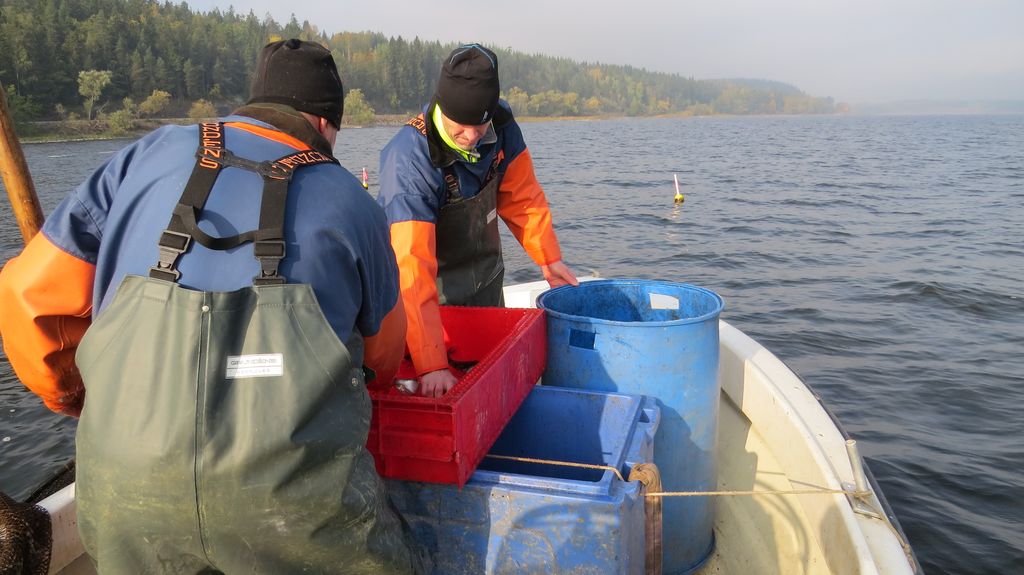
(468, 155)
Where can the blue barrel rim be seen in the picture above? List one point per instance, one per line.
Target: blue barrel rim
(720, 303)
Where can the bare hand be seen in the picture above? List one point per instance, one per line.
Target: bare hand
(558, 274)
(437, 383)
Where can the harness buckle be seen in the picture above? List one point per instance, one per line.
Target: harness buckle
(269, 249)
(175, 241)
(166, 274)
(268, 278)
(275, 170)
(269, 253)
(172, 245)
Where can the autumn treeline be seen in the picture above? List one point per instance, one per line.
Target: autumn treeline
(169, 52)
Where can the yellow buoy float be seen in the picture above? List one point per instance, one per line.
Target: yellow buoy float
(679, 195)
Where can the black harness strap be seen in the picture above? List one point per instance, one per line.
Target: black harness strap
(269, 249)
(453, 191)
(175, 240)
(451, 184)
(268, 239)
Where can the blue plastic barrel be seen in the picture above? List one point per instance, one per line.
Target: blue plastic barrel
(659, 339)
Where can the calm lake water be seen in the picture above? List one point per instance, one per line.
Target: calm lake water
(882, 258)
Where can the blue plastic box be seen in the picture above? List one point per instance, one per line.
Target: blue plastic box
(517, 517)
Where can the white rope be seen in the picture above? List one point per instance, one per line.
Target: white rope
(815, 491)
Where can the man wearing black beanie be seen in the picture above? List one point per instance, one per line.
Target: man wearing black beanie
(300, 75)
(215, 292)
(444, 179)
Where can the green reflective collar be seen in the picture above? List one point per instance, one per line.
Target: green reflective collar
(470, 156)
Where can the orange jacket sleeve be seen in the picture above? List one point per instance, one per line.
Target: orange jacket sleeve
(384, 350)
(45, 308)
(524, 208)
(415, 247)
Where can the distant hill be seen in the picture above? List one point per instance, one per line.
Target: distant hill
(939, 107)
(206, 59)
(765, 85)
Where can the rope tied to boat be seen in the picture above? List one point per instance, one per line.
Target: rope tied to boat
(859, 492)
(649, 477)
(614, 470)
(814, 491)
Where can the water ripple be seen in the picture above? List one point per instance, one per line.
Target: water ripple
(978, 302)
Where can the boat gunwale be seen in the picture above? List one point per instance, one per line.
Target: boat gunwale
(807, 414)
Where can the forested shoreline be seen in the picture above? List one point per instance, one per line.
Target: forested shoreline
(108, 66)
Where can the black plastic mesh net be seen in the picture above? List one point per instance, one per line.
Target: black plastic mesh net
(25, 533)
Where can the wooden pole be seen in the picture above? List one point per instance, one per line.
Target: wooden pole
(16, 177)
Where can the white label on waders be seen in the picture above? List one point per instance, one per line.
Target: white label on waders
(256, 365)
(491, 215)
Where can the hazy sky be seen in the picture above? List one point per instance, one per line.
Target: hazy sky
(852, 50)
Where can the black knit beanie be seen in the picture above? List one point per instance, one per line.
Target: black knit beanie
(301, 75)
(467, 90)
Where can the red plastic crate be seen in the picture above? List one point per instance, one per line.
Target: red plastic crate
(442, 440)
